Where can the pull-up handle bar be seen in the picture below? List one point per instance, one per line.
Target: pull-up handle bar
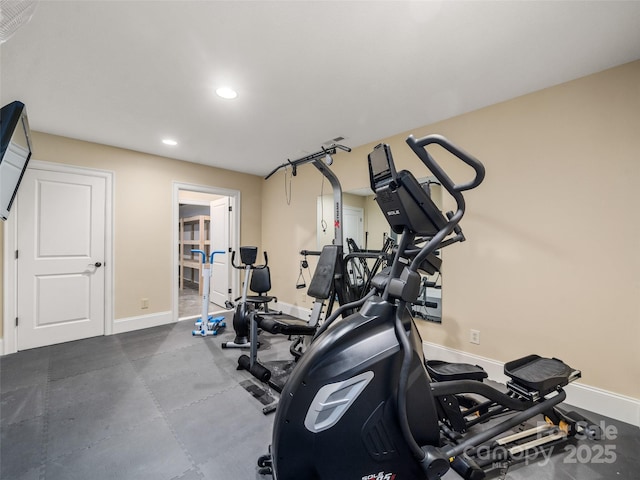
(323, 167)
(309, 158)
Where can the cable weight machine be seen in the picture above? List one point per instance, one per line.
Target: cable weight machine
(322, 160)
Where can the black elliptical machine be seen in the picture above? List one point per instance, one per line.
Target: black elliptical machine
(360, 403)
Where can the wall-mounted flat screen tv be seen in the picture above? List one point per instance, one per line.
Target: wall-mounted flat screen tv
(15, 152)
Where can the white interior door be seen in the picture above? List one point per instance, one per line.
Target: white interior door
(220, 278)
(60, 268)
(352, 226)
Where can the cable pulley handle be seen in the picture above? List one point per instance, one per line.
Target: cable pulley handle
(204, 255)
(418, 146)
(215, 252)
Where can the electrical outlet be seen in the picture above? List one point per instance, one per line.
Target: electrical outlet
(475, 337)
(144, 303)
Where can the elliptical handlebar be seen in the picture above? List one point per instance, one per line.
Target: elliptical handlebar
(418, 146)
(455, 190)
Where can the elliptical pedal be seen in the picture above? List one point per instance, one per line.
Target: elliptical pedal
(533, 377)
(445, 371)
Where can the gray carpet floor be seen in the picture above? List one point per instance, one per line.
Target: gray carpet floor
(159, 404)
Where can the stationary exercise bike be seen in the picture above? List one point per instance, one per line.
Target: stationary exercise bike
(241, 316)
(361, 404)
(322, 288)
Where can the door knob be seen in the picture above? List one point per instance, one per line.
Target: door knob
(97, 264)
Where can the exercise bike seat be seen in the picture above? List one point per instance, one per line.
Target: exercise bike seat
(446, 371)
(278, 326)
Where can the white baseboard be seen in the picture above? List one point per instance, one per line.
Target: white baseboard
(610, 404)
(129, 324)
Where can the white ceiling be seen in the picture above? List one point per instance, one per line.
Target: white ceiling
(128, 73)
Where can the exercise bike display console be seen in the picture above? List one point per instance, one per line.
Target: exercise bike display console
(363, 402)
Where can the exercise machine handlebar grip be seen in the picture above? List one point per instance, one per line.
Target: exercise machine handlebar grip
(418, 146)
(455, 190)
(215, 252)
(309, 158)
(310, 253)
(204, 255)
(242, 267)
(457, 229)
(265, 265)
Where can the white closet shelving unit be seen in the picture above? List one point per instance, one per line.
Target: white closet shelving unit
(194, 234)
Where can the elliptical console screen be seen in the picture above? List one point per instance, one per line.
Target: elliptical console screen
(381, 168)
(403, 201)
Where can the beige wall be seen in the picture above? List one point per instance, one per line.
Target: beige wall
(189, 197)
(143, 228)
(551, 264)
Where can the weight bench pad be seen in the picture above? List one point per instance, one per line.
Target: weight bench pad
(281, 327)
(322, 280)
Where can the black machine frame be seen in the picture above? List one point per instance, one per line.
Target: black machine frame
(321, 161)
(364, 395)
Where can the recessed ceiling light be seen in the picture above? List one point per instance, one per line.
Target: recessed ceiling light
(226, 92)
(169, 141)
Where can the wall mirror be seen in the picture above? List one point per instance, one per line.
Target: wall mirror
(365, 228)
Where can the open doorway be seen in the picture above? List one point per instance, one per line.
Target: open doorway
(205, 219)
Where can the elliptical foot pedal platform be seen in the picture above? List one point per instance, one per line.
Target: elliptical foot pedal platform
(534, 377)
(445, 371)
